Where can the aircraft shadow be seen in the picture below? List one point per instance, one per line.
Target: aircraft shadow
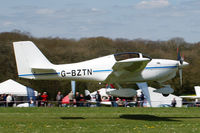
(147, 117)
(135, 117)
(72, 118)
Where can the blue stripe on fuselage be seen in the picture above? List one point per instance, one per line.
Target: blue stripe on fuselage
(108, 70)
(38, 74)
(161, 67)
(145, 68)
(102, 70)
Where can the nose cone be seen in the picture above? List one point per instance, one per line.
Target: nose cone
(182, 64)
(185, 63)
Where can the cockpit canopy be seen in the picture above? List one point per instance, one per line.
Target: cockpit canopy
(128, 55)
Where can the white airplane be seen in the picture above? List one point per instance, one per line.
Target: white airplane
(104, 96)
(106, 92)
(197, 91)
(121, 68)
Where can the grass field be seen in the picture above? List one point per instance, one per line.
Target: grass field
(103, 119)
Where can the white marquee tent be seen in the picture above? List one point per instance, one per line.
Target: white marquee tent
(12, 87)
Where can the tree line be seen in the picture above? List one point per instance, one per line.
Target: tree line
(63, 50)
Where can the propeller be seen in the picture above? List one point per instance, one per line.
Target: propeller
(180, 66)
(181, 78)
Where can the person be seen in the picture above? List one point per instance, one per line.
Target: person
(13, 100)
(120, 102)
(98, 99)
(59, 98)
(197, 103)
(87, 99)
(9, 100)
(71, 98)
(77, 97)
(38, 100)
(125, 102)
(31, 102)
(1, 101)
(142, 99)
(139, 94)
(44, 99)
(112, 100)
(115, 101)
(4, 98)
(135, 100)
(173, 102)
(82, 100)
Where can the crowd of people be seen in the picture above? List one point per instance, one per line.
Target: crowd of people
(42, 100)
(70, 100)
(78, 100)
(6, 100)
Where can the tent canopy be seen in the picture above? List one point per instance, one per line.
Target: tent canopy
(12, 87)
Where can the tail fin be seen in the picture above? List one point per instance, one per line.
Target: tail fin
(197, 90)
(28, 56)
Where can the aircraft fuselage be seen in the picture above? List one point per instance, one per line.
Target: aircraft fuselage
(100, 68)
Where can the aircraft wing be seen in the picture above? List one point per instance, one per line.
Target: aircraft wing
(127, 68)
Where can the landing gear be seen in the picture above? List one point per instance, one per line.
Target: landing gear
(165, 91)
(123, 92)
(165, 95)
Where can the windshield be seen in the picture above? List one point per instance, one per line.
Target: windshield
(124, 56)
(128, 55)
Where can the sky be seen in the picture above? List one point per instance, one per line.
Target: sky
(129, 19)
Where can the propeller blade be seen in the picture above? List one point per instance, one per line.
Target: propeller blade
(181, 77)
(178, 54)
(181, 65)
(179, 58)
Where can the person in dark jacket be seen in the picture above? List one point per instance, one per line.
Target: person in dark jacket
(173, 102)
(77, 97)
(38, 100)
(98, 99)
(82, 100)
(87, 99)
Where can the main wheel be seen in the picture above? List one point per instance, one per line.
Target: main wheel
(165, 95)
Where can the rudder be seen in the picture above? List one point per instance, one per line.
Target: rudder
(197, 90)
(28, 56)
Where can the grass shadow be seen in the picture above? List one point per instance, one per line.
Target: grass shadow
(147, 117)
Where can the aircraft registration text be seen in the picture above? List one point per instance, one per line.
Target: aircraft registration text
(77, 72)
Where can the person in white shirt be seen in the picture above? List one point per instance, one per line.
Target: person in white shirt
(9, 100)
